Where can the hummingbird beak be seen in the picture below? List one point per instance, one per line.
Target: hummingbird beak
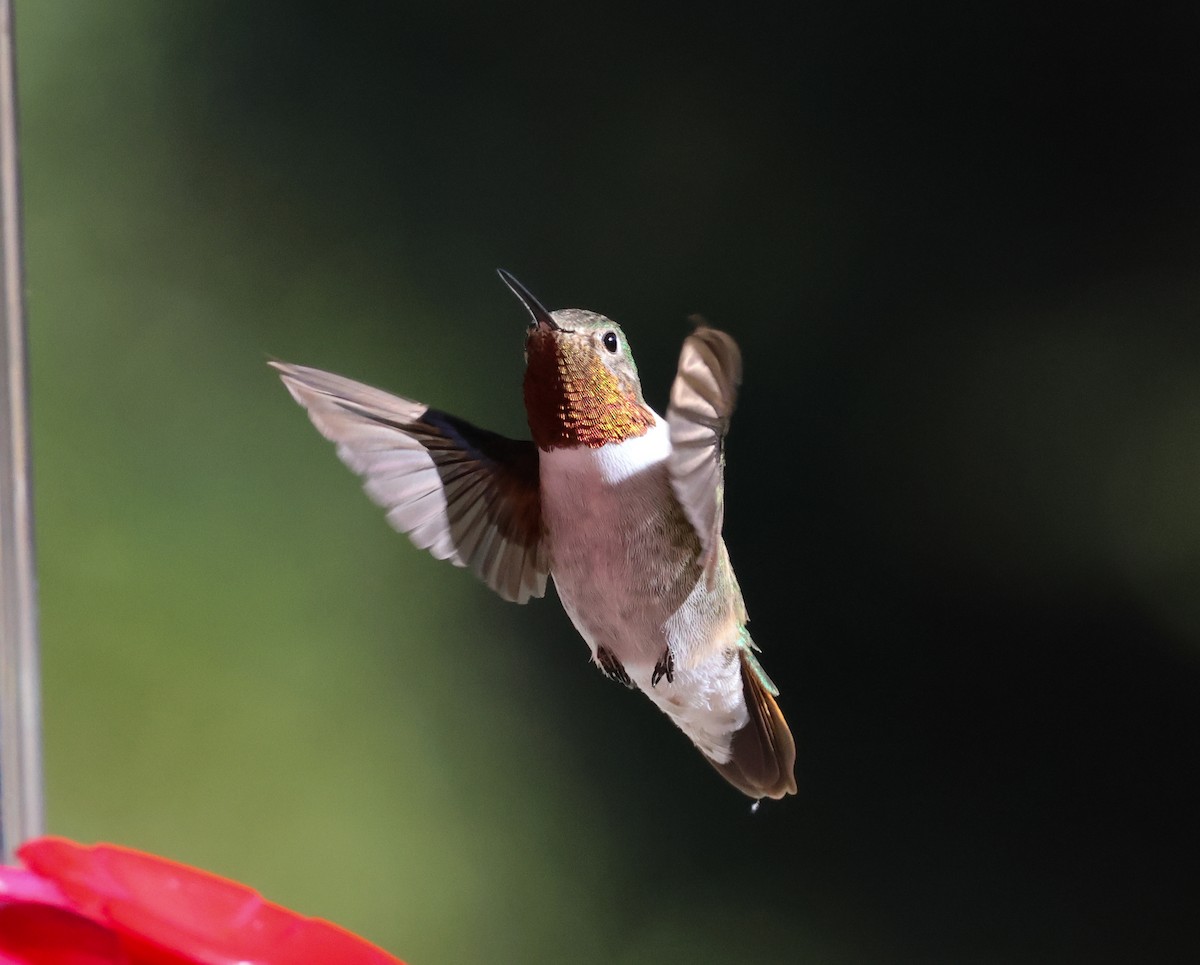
(541, 317)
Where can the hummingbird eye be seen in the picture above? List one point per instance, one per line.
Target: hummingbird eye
(610, 341)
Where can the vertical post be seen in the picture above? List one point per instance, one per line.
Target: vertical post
(21, 807)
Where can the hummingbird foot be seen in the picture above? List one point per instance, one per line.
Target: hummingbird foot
(664, 668)
(613, 669)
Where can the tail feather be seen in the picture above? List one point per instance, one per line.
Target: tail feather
(763, 754)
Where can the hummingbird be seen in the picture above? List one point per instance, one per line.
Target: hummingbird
(622, 507)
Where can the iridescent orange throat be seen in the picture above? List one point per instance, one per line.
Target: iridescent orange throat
(573, 399)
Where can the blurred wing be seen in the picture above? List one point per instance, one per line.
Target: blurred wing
(702, 399)
(465, 494)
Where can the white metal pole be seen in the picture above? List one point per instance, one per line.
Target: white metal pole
(21, 795)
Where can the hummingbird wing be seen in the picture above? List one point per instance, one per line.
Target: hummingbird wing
(465, 494)
(703, 396)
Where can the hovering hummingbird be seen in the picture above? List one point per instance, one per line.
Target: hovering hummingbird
(622, 507)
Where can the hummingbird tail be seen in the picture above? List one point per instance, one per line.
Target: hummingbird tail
(763, 754)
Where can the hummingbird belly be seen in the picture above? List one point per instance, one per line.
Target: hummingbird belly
(625, 562)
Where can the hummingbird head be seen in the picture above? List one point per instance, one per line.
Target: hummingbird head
(581, 383)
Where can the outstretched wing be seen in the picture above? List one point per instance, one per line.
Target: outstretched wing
(703, 396)
(465, 494)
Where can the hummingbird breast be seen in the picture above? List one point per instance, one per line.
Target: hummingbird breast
(626, 564)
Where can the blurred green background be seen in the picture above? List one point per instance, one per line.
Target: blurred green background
(959, 248)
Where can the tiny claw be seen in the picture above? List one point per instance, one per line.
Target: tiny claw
(664, 668)
(612, 668)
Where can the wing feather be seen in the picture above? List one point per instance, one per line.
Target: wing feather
(703, 397)
(464, 494)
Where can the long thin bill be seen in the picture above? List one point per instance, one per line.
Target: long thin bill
(536, 309)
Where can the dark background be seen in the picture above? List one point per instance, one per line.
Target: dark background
(958, 246)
